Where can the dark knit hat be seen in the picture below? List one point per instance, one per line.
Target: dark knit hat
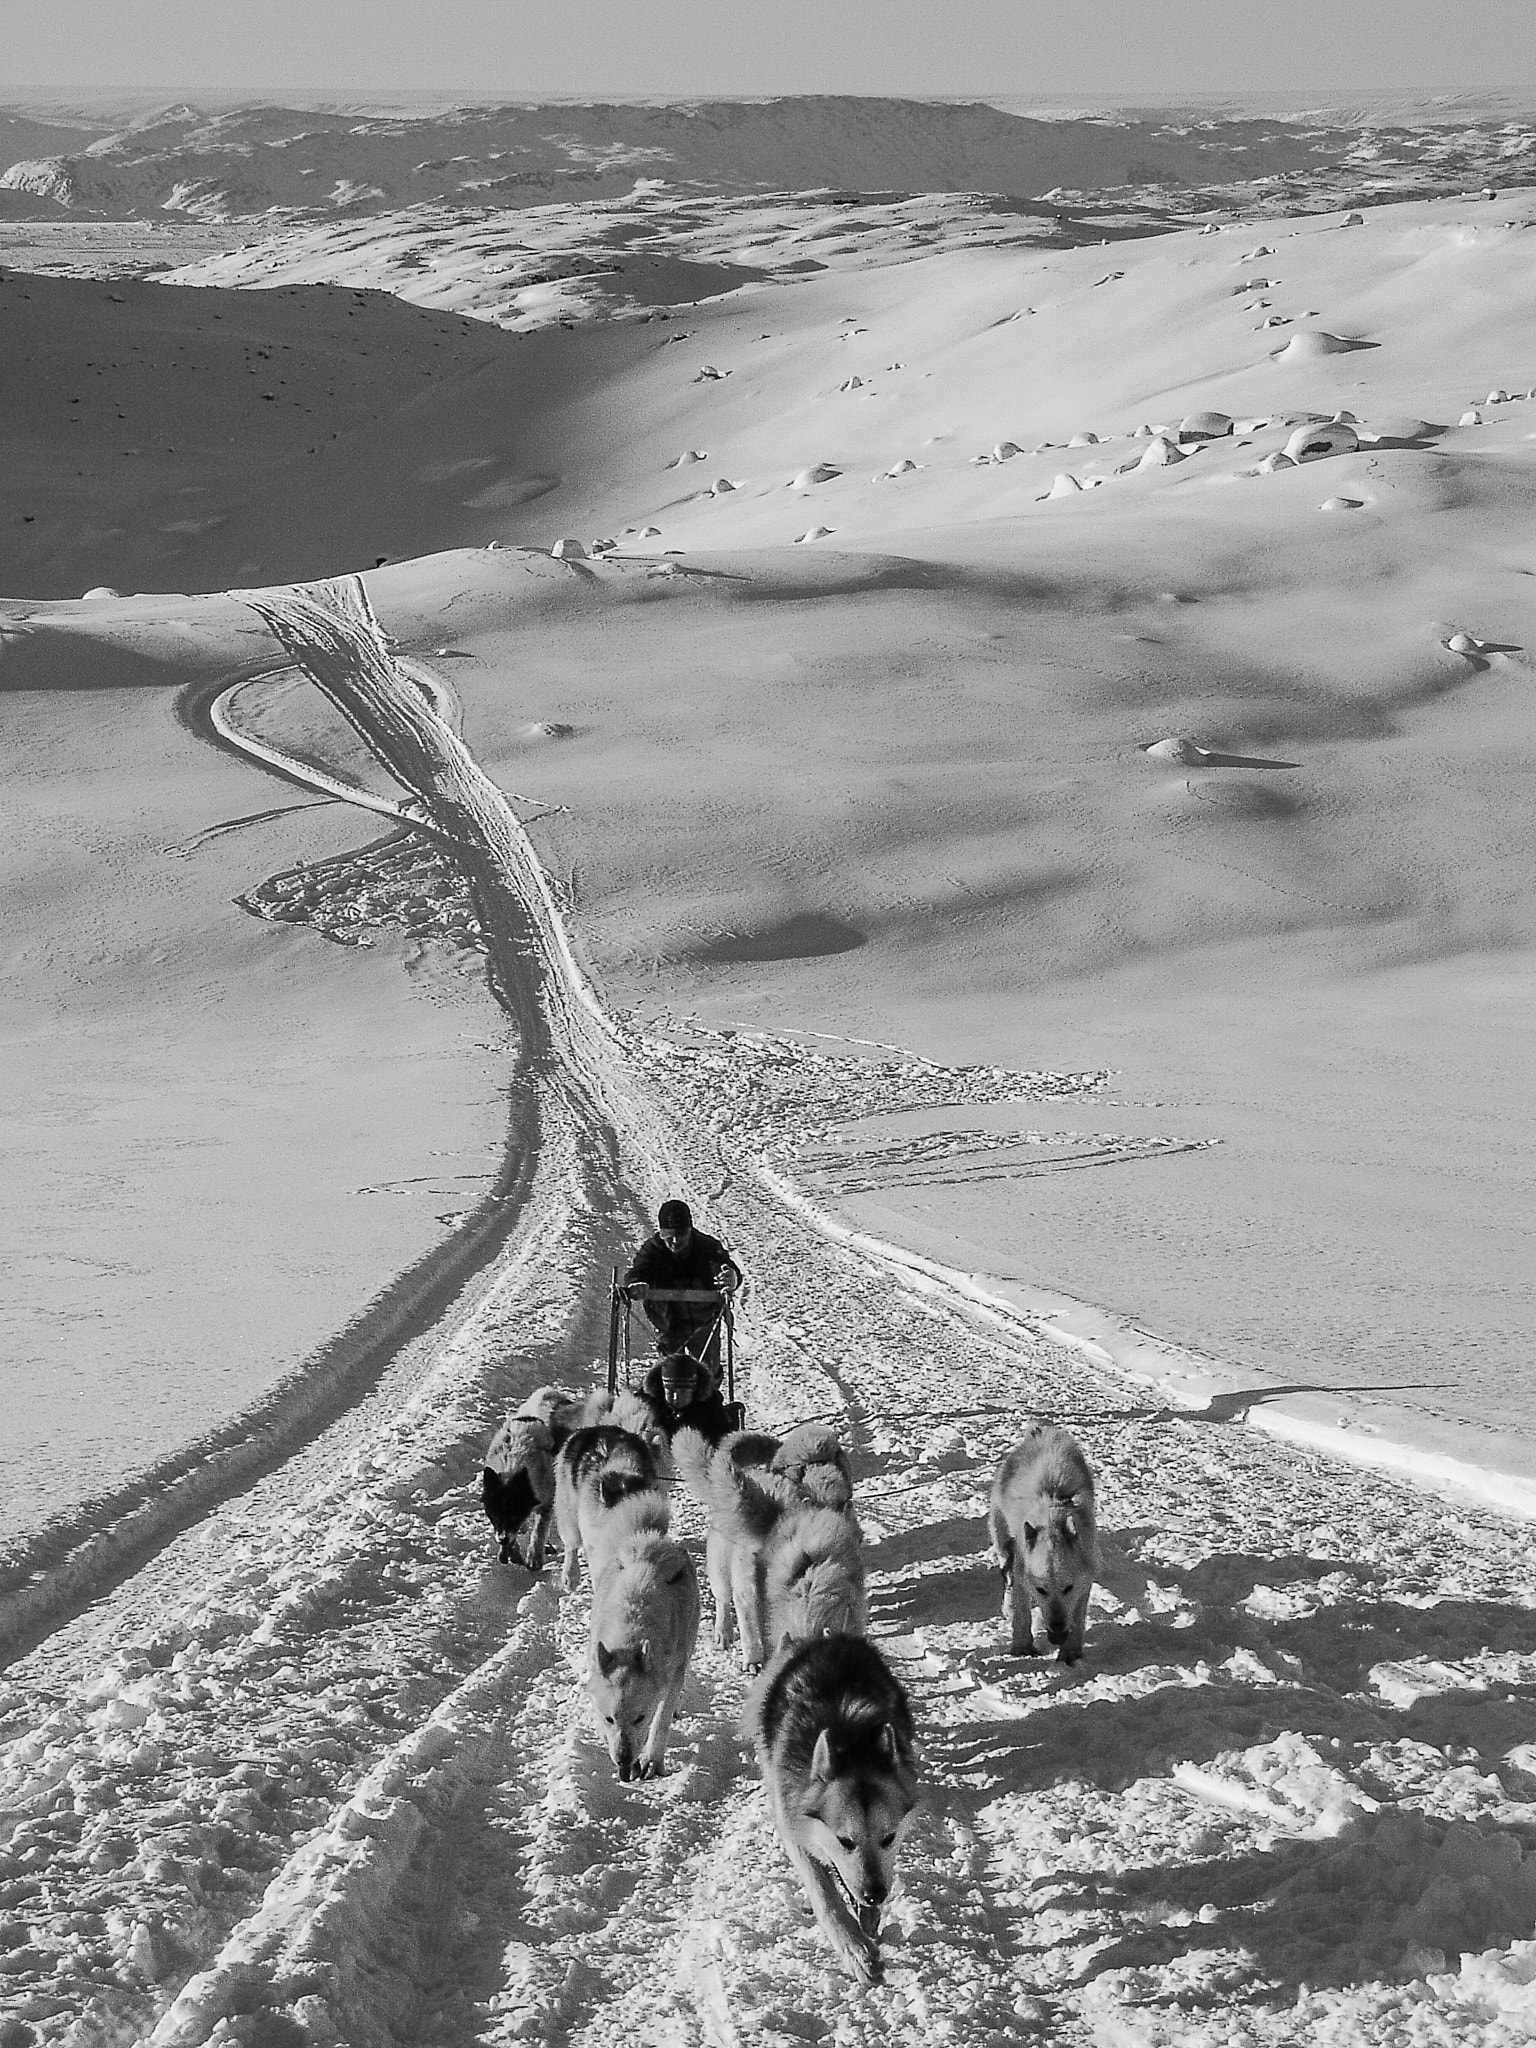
(675, 1215)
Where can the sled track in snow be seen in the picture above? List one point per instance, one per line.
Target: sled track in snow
(385, 1734)
(407, 719)
(68, 1564)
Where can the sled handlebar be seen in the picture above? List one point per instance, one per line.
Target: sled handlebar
(714, 1295)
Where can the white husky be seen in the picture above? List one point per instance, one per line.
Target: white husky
(814, 1566)
(753, 1503)
(1046, 1538)
(645, 1621)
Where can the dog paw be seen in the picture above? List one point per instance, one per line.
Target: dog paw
(863, 1960)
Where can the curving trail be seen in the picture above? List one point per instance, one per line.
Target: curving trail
(74, 1561)
(323, 1772)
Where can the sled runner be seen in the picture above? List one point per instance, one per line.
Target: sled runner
(712, 1344)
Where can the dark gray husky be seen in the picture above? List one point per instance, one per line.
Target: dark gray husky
(833, 1733)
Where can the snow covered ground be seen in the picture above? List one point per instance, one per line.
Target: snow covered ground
(323, 1771)
(831, 883)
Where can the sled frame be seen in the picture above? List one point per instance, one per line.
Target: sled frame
(621, 1309)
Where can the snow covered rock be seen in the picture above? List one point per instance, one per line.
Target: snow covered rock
(1332, 437)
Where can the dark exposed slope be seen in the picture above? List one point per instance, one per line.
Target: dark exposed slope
(187, 418)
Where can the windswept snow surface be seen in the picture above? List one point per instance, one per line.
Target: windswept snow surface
(324, 1772)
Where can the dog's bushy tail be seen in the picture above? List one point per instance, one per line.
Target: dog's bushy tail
(816, 1578)
(635, 1413)
(664, 1555)
(694, 1456)
(517, 1439)
(811, 1443)
(828, 1486)
(556, 1407)
(746, 1505)
(822, 1601)
(747, 1447)
(647, 1512)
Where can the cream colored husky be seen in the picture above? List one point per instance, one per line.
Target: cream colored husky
(752, 1504)
(1046, 1539)
(645, 1621)
(815, 1577)
(597, 1468)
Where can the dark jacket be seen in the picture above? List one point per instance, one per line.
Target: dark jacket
(658, 1266)
(707, 1412)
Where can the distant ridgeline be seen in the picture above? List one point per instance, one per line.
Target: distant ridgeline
(221, 165)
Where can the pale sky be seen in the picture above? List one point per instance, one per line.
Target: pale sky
(483, 49)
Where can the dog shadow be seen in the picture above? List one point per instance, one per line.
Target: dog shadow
(941, 1600)
(1224, 1579)
(959, 1536)
(1300, 1910)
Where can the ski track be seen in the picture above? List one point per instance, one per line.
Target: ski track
(324, 1773)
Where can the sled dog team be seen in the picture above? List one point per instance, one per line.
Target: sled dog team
(830, 1723)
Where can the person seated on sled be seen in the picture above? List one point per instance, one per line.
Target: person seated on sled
(685, 1393)
(678, 1256)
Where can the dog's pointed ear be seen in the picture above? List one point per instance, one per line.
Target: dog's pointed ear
(823, 1764)
(606, 1659)
(885, 1744)
(1031, 1533)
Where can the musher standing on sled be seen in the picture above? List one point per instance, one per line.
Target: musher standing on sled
(680, 1256)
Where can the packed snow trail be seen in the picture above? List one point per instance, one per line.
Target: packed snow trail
(59, 1569)
(335, 1781)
